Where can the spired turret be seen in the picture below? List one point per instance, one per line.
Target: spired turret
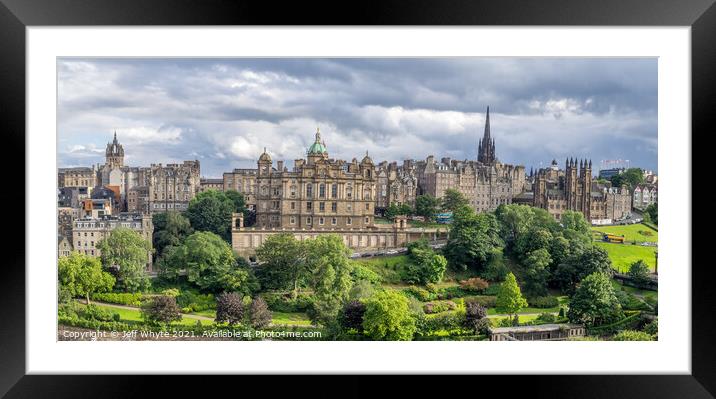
(486, 145)
(114, 154)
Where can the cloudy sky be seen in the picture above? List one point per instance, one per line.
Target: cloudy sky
(223, 112)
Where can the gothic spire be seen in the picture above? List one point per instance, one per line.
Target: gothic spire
(487, 126)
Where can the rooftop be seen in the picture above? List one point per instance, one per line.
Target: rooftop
(528, 329)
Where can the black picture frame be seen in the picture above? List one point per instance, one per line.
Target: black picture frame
(16, 15)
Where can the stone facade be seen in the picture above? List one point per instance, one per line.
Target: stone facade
(87, 232)
(395, 184)
(245, 240)
(64, 246)
(644, 195)
(77, 177)
(318, 193)
(544, 332)
(243, 181)
(168, 187)
(211, 184)
(486, 182)
(572, 189)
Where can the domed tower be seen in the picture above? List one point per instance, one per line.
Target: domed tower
(114, 155)
(265, 164)
(317, 150)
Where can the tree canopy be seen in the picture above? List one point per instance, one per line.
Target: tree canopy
(211, 211)
(209, 264)
(453, 200)
(82, 275)
(170, 229)
(387, 317)
(472, 239)
(426, 206)
(509, 297)
(126, 253)
(594, 302)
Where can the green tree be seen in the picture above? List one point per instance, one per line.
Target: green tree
(211, 211)
(392, 211)
(387, 317)
(282, 263)
(259, 314)
(653, 211)
(594, 302)
(509, 297)
(161, 309)
(229, 308)
(639, 272)
(170, 229)
(472, 239)
(575, 227)
(630, 177)
(426, 206)
(82, 275)
(537, 272)
(453, 200)
(425, 265)
(127, 253)
(209, 263)
(331, 276)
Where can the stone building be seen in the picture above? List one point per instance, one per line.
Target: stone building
(65, 218)
(168, 187)
(573, 189)
(395, 184)
(543, 332)
(96, 207)
(138, 199)
(487, 182)
(71, 197)
(87, 232)
(319, 193)
(243, 181)
(211, 184)
(64, 246)
(644, 195)
(77, 177)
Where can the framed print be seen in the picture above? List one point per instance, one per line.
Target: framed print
(453, 189)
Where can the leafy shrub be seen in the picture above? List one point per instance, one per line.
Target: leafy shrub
(120, 298)
(94, 312)
(631, 335)
(283, 302)
(172, 292)
(259, 314)
(652, 328)
(476, 317)
(629, 301)
(161, 310)
(493, 289)
(449, 323)
(543, 302)
(439, 307)
(229, 308)
(420, 294)
(483, 300)
(432, 288)
(474, 284)
(351, 316)
(191, 301)
(361, 272)
(546, 318)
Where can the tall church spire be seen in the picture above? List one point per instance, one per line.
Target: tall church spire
(486, 145)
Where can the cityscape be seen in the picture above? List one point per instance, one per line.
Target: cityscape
(427, 247)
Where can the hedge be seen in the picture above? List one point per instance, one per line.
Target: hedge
(120, 298)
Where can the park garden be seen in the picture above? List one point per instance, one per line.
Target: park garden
(514, 266)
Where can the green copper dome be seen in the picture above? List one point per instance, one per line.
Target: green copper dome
(318, 147)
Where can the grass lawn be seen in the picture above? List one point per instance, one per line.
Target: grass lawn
(631, 232)
(563, 300)
(387, 267)
(134, 316)
(646, 294)
(523, 318)
(623, 255)
(290, 319)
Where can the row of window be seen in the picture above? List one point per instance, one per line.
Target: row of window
(321, 220)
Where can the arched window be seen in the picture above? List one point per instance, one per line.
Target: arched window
(322, 190)
(309, 190)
